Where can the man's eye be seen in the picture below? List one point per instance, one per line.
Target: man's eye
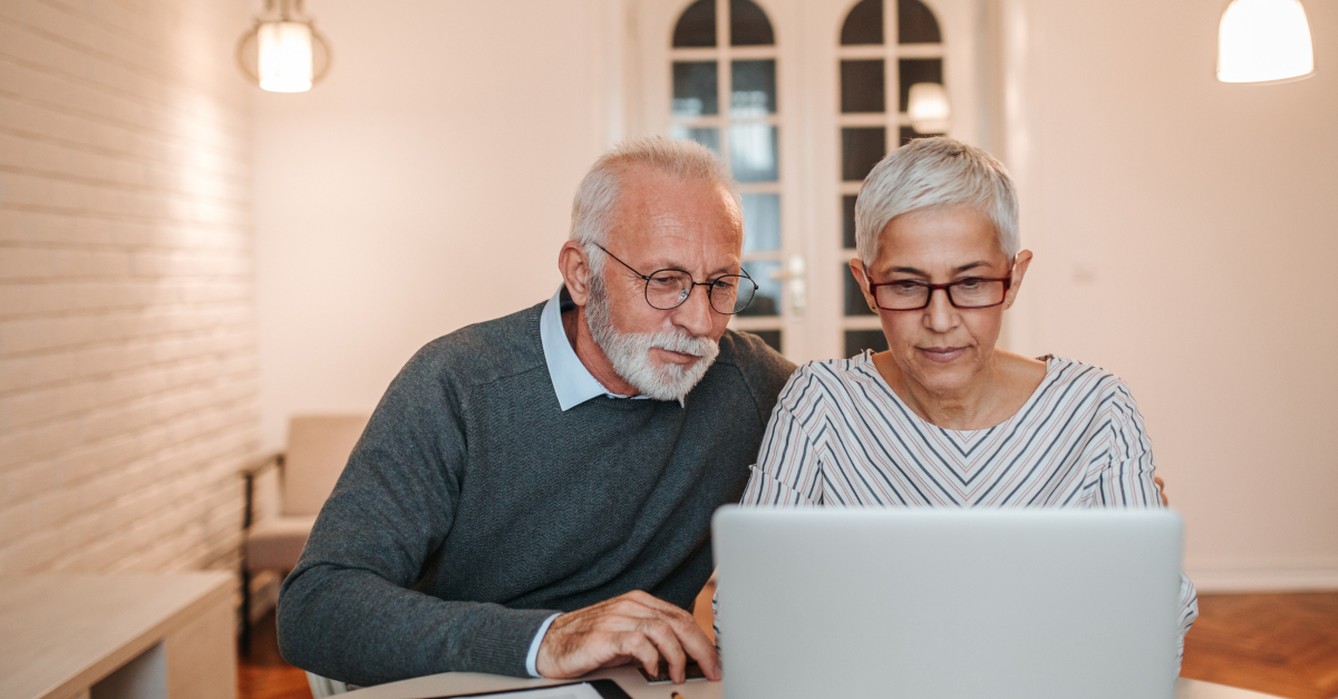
(664, 279)
(725, 283)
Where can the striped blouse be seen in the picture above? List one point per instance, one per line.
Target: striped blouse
(840, 436)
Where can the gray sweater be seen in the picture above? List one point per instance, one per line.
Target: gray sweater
(473, 508)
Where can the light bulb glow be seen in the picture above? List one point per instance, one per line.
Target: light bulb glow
(285, 62)
(1264, 41)
(928, 108)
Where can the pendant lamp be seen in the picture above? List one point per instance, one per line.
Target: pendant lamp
(283, 52)
(1264, 41)
(928, 108)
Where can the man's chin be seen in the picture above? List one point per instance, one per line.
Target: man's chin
(669, 381)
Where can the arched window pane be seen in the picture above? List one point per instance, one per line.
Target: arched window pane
(754, 88)
(917, 70)
(859, 340)
(864, 24)
(862, 86)
(861, 149)
(707, 136)
(855, 305)
(761, 222)
(771, 337)
(748, 25)
(848, 218)
(696, 26)
(752, 150)
(768, 299)
(916, 23)
(696, 88)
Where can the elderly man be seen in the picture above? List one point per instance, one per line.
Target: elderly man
(533, 494)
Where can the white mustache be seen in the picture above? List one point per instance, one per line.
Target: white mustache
(684, 344)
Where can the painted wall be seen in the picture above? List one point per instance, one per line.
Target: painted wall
(128, 366)
(1184, 233)
(424, 186)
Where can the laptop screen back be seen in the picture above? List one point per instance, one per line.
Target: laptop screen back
(947, 603)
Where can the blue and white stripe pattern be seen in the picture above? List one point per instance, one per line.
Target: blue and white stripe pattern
(840, 436)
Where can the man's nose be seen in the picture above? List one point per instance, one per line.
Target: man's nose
(695, 314)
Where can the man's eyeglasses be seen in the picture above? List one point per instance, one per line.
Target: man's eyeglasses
(913, 295)
(667, 289)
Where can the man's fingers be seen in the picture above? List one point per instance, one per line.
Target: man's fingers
(635, 627)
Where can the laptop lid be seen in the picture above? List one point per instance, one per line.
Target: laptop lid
(925, 602)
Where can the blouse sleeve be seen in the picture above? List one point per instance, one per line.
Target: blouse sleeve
(787, 471)
(1126, 480)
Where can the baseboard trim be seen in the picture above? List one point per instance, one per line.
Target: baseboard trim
(1211, 579)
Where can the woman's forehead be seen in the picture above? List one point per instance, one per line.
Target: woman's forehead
(943, 234)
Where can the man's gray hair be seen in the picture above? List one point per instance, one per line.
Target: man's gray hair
(596, 199)
(935, 172)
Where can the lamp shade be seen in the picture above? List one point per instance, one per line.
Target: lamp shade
(285, 56)
(283, 52)
(928, 108)
(1260, 41)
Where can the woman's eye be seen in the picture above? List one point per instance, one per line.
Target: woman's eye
(969, 283)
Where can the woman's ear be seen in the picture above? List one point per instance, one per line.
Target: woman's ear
(575, 269)
(861, 281)
(1020, 263)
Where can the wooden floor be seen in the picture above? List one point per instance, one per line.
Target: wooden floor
(1281, 644)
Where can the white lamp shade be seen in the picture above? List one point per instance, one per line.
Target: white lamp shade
(928, 108)
(1264, 41)
(285, 63)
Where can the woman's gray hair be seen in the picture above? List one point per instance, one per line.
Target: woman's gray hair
(935, 172)
(596, 200)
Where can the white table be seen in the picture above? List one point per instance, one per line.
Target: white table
(123, 636)
(638, 688)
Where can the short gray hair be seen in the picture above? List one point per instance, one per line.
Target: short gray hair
(935, 172)
(596, 198)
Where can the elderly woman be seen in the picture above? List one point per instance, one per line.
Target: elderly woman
(943, 418)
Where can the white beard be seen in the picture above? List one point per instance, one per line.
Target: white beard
(629, 353)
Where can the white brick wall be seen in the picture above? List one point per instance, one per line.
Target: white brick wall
(128, 370)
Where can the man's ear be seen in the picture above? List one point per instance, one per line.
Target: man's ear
(574, 267)
(857, 271)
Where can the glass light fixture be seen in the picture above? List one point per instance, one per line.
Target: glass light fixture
(283, 52)
(1264, 41)
(928, 108)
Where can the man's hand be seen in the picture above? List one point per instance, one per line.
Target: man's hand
(631, 628)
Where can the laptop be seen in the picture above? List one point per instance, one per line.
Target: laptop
(953, 603)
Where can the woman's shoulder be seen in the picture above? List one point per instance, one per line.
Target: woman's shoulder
(1088, 378)
(841, 369)
(829, 375)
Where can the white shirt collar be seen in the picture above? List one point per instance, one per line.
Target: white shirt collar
(572, 382)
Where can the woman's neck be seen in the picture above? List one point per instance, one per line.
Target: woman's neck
(995, 394)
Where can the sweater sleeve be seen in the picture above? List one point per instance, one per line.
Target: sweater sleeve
(349, 610)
